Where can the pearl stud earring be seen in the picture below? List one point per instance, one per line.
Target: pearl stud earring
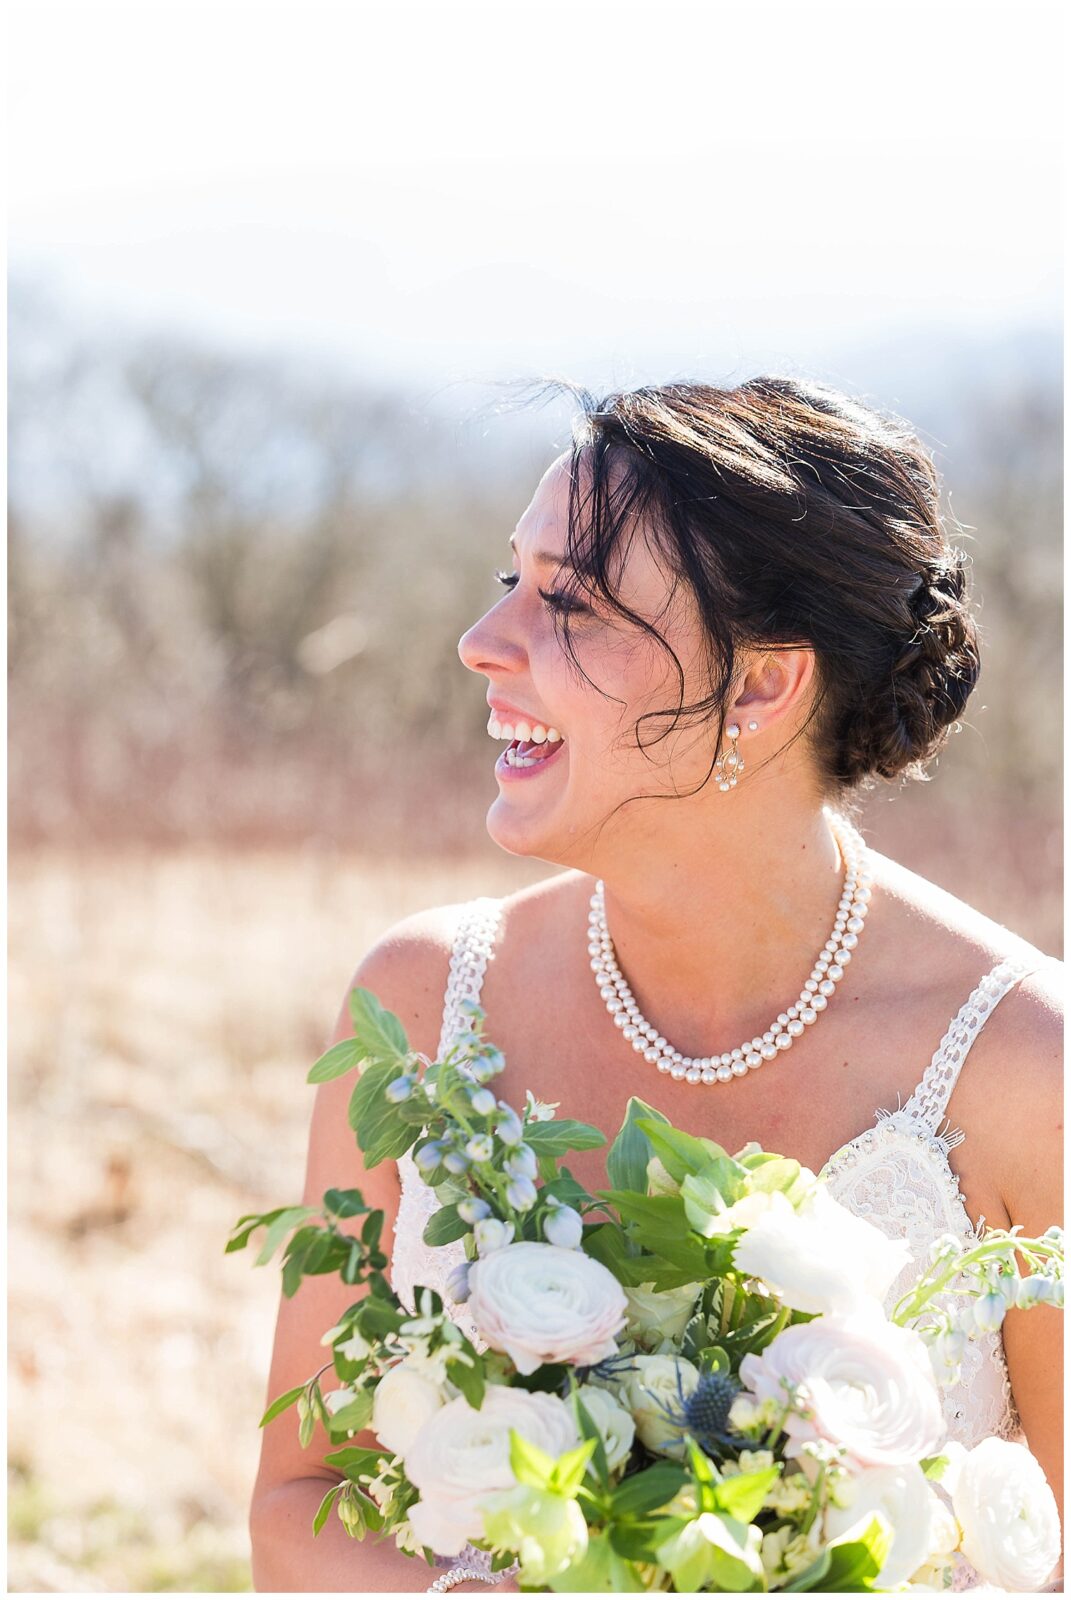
(753, 725)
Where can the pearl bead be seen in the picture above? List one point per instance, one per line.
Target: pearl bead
(645, 1039)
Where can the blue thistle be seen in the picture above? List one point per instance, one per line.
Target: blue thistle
(705, 1412)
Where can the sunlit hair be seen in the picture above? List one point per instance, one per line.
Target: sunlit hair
(798, 517)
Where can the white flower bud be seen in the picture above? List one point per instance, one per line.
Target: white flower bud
(521, 1162)
(480, 1147)
(473, 1209)
(521, 1194)
(492, 1234)
(482, 1102)
(989, 1311)
(563, 1226)
(457, 1283)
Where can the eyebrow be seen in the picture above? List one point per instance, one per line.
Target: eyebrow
(545, 557)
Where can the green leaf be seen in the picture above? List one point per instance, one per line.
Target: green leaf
(345, 1202)
(741, 1496)
(530, 1464)
(679, 1152)
(626, 1161)
(380, 1131)
(570, 1469)
(555, 1138)
(648, 1490)
(378, 1030)
(599, 1571)
(708, 1193)
(248, 1225)
(934, 1467)
(588, 1430)
(280, 1227)
(469, 1379)
(852, 1564)
(352, 1418)
(355, 1461)
(341, 1058)
(324, 1508)
(307, 1423)
(444, 1226)
(281, 1404)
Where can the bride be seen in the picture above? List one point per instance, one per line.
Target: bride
(728, 612)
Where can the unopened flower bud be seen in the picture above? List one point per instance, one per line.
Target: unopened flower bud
(989, 1311)
(399, 1090)
(564, 1227)
(457, 1283)
(509, 1127)
(480, 1147)
(428, 1157)
(492, 1234)
(521, 1194)
(456, 1161)
(473, 1209)
(521, 1162)
(482, 1102)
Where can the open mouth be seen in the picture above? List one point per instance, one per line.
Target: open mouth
(524, 754)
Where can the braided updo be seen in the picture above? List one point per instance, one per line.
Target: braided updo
(798, 517)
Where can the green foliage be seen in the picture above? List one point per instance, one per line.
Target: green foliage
(555, 1138)
(334, 1063)
(626, 1161)
(444, 1226)
(376, 1029)
(848, 1566)
(679, 1152)
(382, 1133)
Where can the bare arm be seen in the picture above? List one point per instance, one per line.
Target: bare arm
(1033, 1196)
(407, 972)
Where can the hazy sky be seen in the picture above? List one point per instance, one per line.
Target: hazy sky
(461, 189)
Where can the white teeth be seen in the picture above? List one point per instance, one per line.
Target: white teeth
(522, 730)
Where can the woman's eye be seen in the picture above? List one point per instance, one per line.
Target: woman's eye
(557, 602)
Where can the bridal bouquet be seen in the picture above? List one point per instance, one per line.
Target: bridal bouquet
(684, 1382)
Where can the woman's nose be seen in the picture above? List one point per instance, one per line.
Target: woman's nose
(486, 648)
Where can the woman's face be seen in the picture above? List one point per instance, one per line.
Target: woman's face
(549, 810)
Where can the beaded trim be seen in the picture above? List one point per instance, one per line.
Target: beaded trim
(474, 947)
(928, 1102)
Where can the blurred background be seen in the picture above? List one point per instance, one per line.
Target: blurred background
(275, 272)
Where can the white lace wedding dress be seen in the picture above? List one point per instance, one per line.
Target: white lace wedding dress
(896, 1174)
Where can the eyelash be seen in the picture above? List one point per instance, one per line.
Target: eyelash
(556, 602)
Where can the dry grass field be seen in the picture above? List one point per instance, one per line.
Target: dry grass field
(165, 1008)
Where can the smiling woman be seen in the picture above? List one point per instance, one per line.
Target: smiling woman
(765, 565)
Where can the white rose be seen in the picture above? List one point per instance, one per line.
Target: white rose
(657, 1384)
(404, 1400)
(460, 1455)
(1008, 1513)
(616, 1427)
(820, 1258)
(539, 1303)
(903, 1493)
(867, 1385)
(654, 1315)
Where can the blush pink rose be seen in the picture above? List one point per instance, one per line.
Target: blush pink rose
(540, 1303)
(868, 1385)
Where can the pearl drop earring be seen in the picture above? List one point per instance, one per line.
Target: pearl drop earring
(729, 767)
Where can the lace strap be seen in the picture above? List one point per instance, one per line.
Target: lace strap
(474, 947)
(929, 1101)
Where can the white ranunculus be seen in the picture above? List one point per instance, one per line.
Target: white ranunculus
(904, 1495)
(656, 1383)
(616, 1427)
(867, 1384)
(820, 1258)
(405, 1398)
(461, 1454)
(1008, 1513)
(654, 1315)
(539, 1303)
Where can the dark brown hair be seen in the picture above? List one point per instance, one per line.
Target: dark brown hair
(799, 517)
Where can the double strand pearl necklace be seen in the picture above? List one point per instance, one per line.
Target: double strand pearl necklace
(825, 975)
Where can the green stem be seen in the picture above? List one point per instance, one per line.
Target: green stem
(911, 1304)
